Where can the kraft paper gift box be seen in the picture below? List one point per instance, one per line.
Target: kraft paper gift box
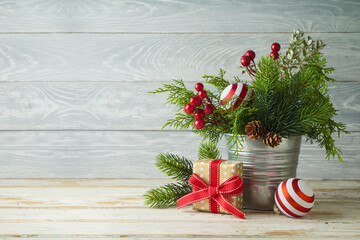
(227, 170)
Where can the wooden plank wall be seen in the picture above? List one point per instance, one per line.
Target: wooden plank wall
(74, 77)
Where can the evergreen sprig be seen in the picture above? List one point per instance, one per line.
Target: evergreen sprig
(179, 168)
(181, 121)
(238, 119)
(167, 195)
(300, 52)
(176, 167)
(209, 150)
(277, 101)
(178, 93)
(217, 81)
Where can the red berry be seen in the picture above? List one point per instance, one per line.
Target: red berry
(199, 123)
(199, 114)
(199, 86)
(189, 109)
(195, 101)
(202, 94)
(209, 108)
(274, 55)
(275, 47)
(245, 61)
(250, 54)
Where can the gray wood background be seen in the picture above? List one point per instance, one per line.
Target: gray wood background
(74, 77)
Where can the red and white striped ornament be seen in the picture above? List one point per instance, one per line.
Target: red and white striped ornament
(294, 197)
(238, 91)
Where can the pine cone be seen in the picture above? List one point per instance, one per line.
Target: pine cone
(255, 130)
(272, 139)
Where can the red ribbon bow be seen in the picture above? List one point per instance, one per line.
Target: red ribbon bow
(214, 192)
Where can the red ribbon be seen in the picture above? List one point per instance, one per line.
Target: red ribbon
(214, 192)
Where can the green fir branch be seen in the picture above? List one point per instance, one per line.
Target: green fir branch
(240, 116)
(209, 150)
(181, 121)
(167, 195)
(178, 93)
(217, 81)
(179, 168)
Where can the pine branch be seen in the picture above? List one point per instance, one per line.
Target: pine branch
(217, 81)
(167, 195)
(178, 93)
(240, 117)
(179, 168)
(211, 132)
(181, 121)
(209, 150)
(176, 167)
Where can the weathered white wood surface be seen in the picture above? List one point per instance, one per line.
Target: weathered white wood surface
(116, 106)
(179, 16)
(131, 154)
(152, 57)
(103, 209)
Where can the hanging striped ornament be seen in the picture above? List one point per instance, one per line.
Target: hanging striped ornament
(238, 91)
(294, 197)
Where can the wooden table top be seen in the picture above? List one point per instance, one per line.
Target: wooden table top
(111, 208)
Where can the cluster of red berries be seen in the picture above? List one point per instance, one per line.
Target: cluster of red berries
(199, 101)
(249, 57)
(275, 48)
(246, 60)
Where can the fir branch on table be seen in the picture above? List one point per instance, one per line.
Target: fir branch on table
(209, 150)
(179, 168)
(167, 195)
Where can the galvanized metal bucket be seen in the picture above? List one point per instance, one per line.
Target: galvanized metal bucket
(265, 168)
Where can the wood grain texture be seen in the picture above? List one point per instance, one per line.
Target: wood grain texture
(108, 208)
(114, 154)
(82, 106)
(346, 99)
(71, 69)
(151, 57)
(179, 16)
(116, 105)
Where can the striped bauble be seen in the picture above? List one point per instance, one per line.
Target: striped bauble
(294, 197)
(234, 94)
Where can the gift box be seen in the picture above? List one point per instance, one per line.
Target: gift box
(227, 169)
(217, 187)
